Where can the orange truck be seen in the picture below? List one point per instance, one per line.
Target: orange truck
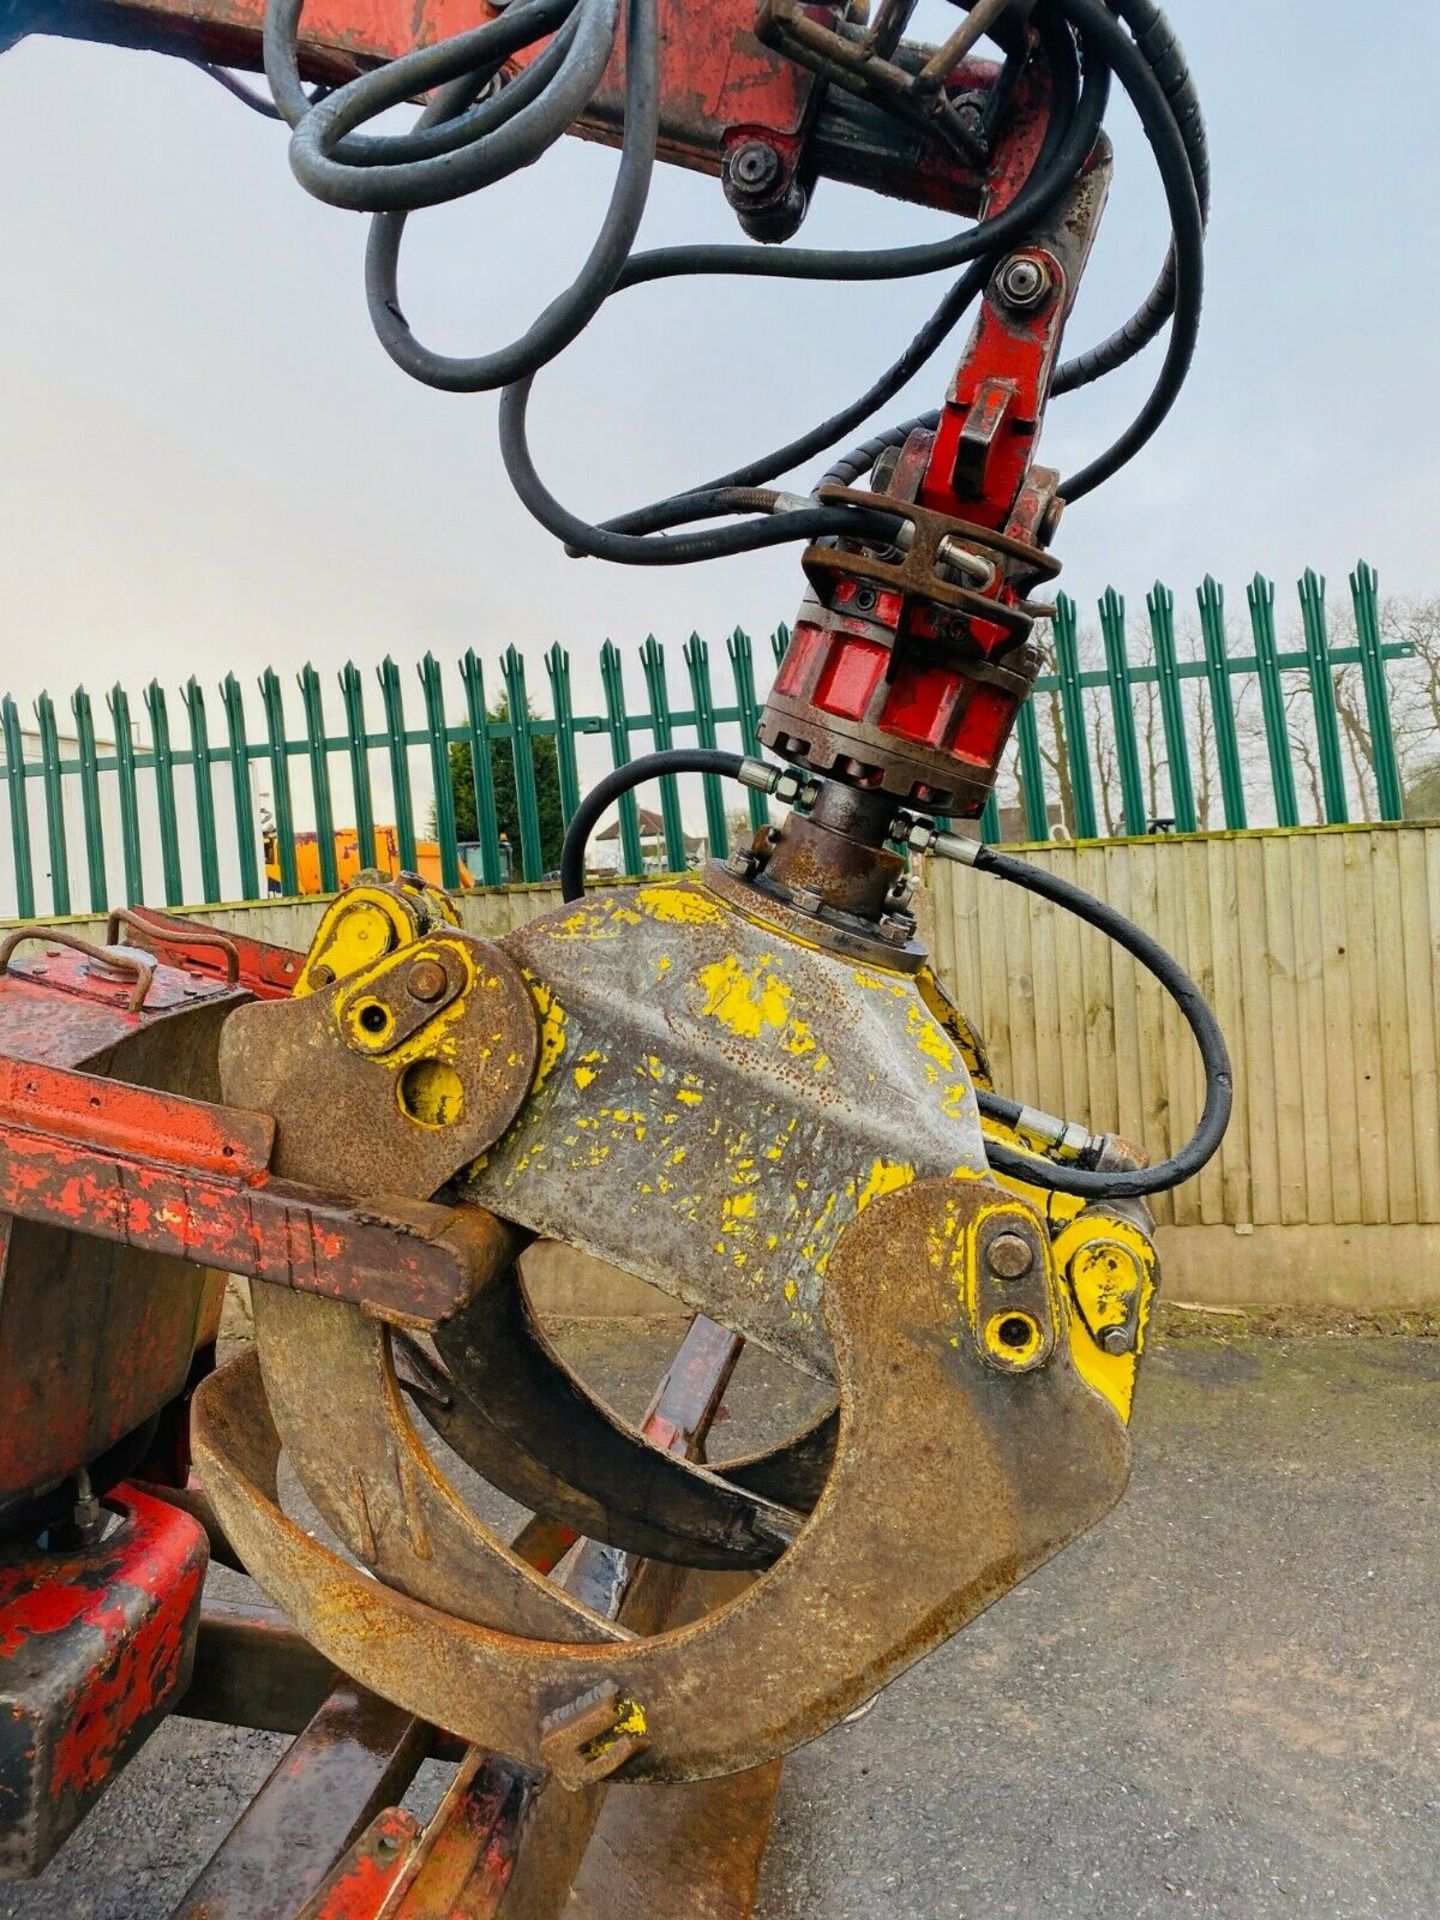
(348, 862)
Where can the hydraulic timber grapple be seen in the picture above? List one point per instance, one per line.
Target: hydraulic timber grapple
(745, 1085)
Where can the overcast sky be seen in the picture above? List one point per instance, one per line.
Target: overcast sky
(209, 463)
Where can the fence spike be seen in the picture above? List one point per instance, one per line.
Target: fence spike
(357, 745)
(15, 777)
(557, 666)
(393, 700)
(273, 702)
(54, 804)
(612, 676)
(1365, 594)
(204, 792)
(246, 806)
(1122, 710)
(652, 661)
(433, 691)
(697, 665)
(1076, 744)
(522, 754)
(313, 702)
(118, 702)
(1260, 598)
(1211, 600)
(163, 761)
(482, 771)
(90, 809)
(1311, 588)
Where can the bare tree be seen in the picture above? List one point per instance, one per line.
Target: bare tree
(1299, 722)
(1413, 687)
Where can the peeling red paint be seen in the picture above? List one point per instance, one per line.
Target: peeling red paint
(362, 1882)
(95, 1648)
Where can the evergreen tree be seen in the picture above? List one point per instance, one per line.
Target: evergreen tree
(507, 802)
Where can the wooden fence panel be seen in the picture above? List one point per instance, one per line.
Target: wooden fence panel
(1320, 951)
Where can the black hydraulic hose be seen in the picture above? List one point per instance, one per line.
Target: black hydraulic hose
(1185, 187)
(1132, 69)
(257, 103)
(680, 507)
(998, 1107)
(1214, 1055)
(1157, 40)
(651, 766)
(666, 550)
(572, 310)
(1073, 129)
(483, 123)
(449, 153)
(625, 537)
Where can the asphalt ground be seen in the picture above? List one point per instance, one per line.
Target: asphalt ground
(1224, 1702)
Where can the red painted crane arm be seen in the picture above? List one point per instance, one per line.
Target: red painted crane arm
(719, 85)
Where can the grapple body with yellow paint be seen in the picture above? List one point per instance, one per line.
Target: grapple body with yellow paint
(700, 1084)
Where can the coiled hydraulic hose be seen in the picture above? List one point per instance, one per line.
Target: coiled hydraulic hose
(484, 122)
(1214, 1055)
(1179, 147)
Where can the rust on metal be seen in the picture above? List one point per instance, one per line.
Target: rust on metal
(357, 1755)
(199, 938)
(268, 971)
(96, 1336)
(105, 958)
(1004, 1470)
(367, 1875)
(514, 1412)
(375, 1091)
(401, 1258)
(95, 1649)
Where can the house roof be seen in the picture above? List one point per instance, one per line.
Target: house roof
(652, 827)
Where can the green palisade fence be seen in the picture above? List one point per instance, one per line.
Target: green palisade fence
(170, 809)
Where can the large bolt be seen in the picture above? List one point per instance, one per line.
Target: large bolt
(1023, 282)
(1010, 1255)
(897, 929)
(427, 980)
(754, 170)
(1117, 1340)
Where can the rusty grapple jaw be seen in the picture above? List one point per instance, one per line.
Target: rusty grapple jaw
(786, 1140)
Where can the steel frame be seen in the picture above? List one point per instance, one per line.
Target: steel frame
(325, 1838)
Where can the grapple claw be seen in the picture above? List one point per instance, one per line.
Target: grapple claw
(789, 1141)
(952, 1480)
